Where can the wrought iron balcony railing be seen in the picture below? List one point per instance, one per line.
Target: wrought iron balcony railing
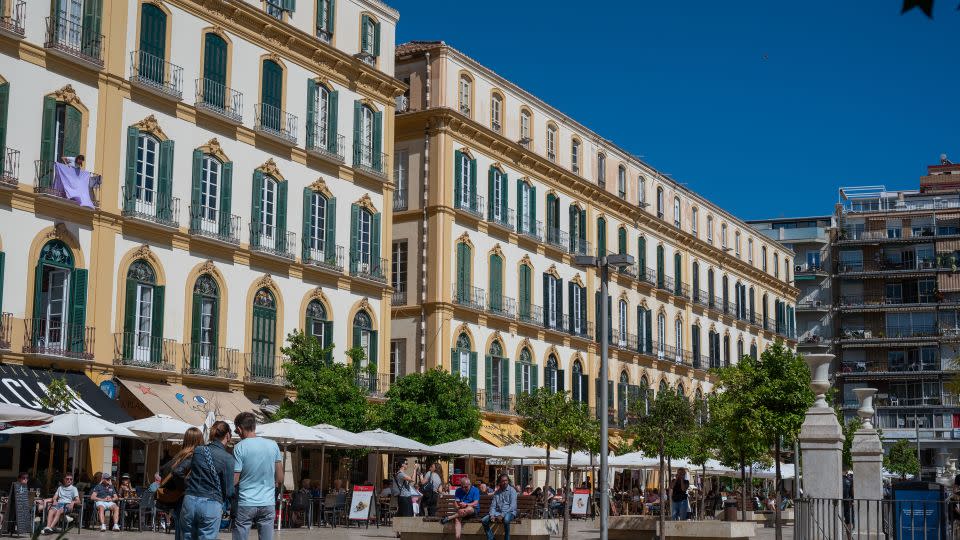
(265, 368)
(495, 402)
(272, 241)
(141, 350)
(221, 100)
(530, 313)
(503, 218)
(275, 122)
(208, 360)
(14, 21)
(49, 337)
(76, 39)
(400, 202)
(156, 73)
(471, 297)
(530, 228)
(369, 161)
(139, 203)
(470, 204)
(366, 267)
(502, 306)
(46, 183)
(330, 258)
(10, 167)
(319, 142)
(222, 226)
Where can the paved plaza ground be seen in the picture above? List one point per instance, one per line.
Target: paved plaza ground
(580, 531)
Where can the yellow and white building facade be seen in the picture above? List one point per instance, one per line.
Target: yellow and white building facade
(239, 188)
(497, 192)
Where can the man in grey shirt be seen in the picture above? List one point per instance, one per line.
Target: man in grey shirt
(503, 508)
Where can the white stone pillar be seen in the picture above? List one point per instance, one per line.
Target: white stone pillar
(821, 438)
(867, 451)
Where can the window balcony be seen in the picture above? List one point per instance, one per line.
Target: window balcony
(629, 270)
(47, 337)
(364, 267)
(46, 183)
(465, 110)
(324, 36)
(496, 126)
(665, 283)
(502, 306)
(137, 350)
(331, 259)
(208, 360)
(219, 226)
(326, 147)
(531, 229)
(6, 330)
(880, 301)
(730, 308)
(470, 297)
(375, 385)
(681, 290)
(624, 340)
(275, 123)
(399, 296)
(74, 40)
(9, 168)
(265, 369)
(901, 366)
(558, 238)
(495, 402)
(219, 100)
(525, 142)
(701, 297)
(555, 321)
(13, 24)
(648, 276)
(579, 246)
(471, 205)
(400, 200)
(137, 206)
(156, 74)
(272, 241)
(580, 327)
(403, 104)
(530, 314)
(552, 156)
(370, 162)
(506, 220)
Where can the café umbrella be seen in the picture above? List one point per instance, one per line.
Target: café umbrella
(159, 428)
(15, 415)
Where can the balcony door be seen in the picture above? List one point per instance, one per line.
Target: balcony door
(55, 301)
(271, 96)
(264, 335)
(206, 313)
(69, 23)
(59, 309)
(153, 40)
(214, 70)
(143, 315)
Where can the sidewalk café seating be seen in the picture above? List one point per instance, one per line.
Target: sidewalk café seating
(524, 527)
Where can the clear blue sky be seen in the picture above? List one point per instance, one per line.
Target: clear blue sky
(765, 107)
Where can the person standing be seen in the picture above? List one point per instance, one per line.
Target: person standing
(258, 472)
(209, 484)
(678, 495)
(430, 488)
(403, 490)
(176, 486)
(104, 497)
(503, 508)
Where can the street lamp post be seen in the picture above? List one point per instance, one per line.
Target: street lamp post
(603, 264)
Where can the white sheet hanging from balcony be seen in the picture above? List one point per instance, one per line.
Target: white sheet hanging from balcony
(74, 183)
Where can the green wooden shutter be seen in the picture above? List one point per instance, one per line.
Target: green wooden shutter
(583, 308)
(601, 237)
(545, 307)
(364, 40)
(129, 318)
(375, 244)
(462, 272)
(473, 373)
(332, 18)
(354, 236)
(289, 5)
(454, 361)
(504, 382)
(551, 199)
(226, 200)
(621, 241)
(571, 297)
(473, 185)
(572, 218)
(487, 377)
(195, 190)
(518, 378)
(496, 282)
(156, 345)
(37, 302)
(215, 72)
(660, 271)
(640, 337)
(374, 347)
(130, 183)
(72, 131)
(520, 208)
(311, 112)
(376, 39)
(90, 34)
(503, 198)
(281, 234)
(534, 377)
(195, 331)
(333, 106)
(4, 105)
(256, 206)
(649, 316)
(48, 135)
(378, 141)
(153, 38)
(330, 236)
(677, 274)
(533, 209)
(328, 338)
(490, 192)
(357, 114)
(78, 309)
(457, 177)
(642, 257)
(165, 182)
(307, 217)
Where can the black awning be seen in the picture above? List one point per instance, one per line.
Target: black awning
(24, 386)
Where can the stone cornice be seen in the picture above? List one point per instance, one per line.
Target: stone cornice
(445, 120)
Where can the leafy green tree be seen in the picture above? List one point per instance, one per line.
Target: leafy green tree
(849, 429)
(327, 392)
(433, 407)
(554, 419)
(902, 459)
(664, 429)
(703, 441)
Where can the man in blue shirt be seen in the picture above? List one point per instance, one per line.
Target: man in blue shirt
(105, 498)
(468, 501)
(503, 508)
(258, 472)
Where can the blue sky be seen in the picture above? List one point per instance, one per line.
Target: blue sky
(765, 107)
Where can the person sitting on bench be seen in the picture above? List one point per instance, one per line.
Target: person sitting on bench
(503, 508)
(467, 501)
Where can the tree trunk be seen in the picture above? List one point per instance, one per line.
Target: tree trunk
(703, 492)
(776, 488)
(743, 489)
(661, 533)
(546, 481)
(569, 495)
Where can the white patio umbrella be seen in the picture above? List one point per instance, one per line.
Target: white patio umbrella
(353, 439)
(471, 447)
(526, 452)
(15, 415)
(157, 428)
(634, 460)
(396, 442)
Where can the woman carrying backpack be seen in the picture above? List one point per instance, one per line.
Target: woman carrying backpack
(403, 490)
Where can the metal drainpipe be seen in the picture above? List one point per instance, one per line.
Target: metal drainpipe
(423, 225)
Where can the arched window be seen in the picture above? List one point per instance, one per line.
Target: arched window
(464, 280)
(661, 336)
(575, 156)
(143, 317)
(681, 391)
(711, 291)
(694, 220)
(641, 191)
(146, 171)
(763, 258)
(322, 105)
(466, 94)
(663, 386)
(753, 350)
(659, 202)
(677, 274)
(211, 195)
(661, 272)
(526, 292)
(723, 235)
(365, 337)
(579, 383)
(751, 314)
(622, 240)
(153, 40)
(496, 303)
(264, 345)
(59, 303)
(622, 319)
(739, 348)
(367, 137)
(622, 181)
(725, 291)
(552, 142)
(526, 372)
(623, 397)
(319, 228)
(726, 350)
(736, 243)
(750, 250)
(676, 212)
(272, 117)
(696, 351)
(601, 169)
(601, 237)
(464, 361)
(497, 379)
(552, 375)
(213, 86)
(695, 277)
(204, 339)
(317, 324)
(525, 128)
(645, 391)
(710, 229)
(496, 112)
(678, 340)
(266, 212)
(776, 265)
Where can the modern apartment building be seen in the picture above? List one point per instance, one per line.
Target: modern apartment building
(241, 189)
(810, 239)
(898, 294)
(497, 191)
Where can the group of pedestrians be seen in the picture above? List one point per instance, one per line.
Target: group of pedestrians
(204, 481)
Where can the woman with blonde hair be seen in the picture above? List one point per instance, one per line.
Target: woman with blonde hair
(192, 438)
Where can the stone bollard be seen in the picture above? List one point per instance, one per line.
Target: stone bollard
(821, 437)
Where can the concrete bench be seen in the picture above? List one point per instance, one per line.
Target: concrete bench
(414, 528)
(446, 506)
(645, 528)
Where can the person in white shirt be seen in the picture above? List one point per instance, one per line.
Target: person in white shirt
(63, 500)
